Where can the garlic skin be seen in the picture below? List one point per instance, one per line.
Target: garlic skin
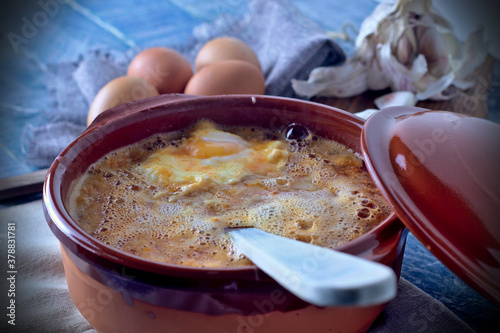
(405, 45)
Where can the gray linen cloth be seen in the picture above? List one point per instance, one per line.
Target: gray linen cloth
(287, 43)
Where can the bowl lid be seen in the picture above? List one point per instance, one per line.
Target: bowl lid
(441, 173)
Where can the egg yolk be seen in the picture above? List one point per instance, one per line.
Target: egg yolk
(209, 155)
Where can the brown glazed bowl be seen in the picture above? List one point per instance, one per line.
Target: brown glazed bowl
(119, 292)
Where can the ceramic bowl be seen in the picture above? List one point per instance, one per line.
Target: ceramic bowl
(119, 292)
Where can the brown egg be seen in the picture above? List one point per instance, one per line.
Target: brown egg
(163, 68)
(227, 77)
(224, 48)
(119, 91)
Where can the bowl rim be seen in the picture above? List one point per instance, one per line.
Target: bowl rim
(75, 238)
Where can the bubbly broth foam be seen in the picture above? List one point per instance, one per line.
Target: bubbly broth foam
(321, 193)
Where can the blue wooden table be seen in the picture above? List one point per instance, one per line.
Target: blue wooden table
(37, 34)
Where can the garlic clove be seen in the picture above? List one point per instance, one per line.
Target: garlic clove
(406, 47)
(434, 49)
(397, 98)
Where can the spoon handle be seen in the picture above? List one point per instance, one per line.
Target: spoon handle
(318, 275)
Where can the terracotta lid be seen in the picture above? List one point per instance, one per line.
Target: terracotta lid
(441, 173)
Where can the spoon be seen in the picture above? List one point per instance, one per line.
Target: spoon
(317, 275)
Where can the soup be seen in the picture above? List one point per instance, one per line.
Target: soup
(170, 197)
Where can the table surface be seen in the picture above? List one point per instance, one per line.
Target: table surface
(73, 28)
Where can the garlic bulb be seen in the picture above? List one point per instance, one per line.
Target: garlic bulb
(407, 46)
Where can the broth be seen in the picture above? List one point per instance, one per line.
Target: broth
(168, 198)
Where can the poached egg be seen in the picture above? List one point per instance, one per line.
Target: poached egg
(210, 156)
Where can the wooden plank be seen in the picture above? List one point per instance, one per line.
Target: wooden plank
(17, 186)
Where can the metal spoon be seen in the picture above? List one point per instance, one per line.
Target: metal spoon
(316, 274)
